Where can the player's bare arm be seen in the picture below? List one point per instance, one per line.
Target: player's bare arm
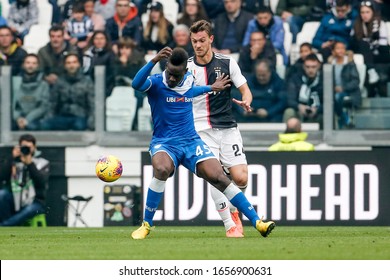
(246, 101)
(164, 53)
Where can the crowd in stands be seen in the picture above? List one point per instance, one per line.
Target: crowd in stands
(54, 88)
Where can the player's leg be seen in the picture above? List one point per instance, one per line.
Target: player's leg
(163, 167)
(233, 158)
(212, 138)
(211, 171)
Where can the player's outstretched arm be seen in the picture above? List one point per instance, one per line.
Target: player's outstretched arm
(220, 84)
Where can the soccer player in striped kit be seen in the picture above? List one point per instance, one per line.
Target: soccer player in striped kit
(214, 120)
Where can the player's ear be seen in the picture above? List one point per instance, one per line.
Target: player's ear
(212, 38)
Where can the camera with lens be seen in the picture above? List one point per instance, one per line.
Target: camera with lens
(25, 150)
(308, 110)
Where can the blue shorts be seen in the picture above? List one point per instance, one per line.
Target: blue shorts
(185, 151)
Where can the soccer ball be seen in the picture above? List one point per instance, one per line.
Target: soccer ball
(108, 168)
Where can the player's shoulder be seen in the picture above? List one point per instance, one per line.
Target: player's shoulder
(221, 56)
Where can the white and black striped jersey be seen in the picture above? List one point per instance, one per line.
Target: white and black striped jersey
(215, 110)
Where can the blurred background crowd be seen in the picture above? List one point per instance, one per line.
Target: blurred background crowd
(53, 47)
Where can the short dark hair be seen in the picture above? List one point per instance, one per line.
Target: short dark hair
(306, 44)
(265, 62)
(338, 42)
(201, 25)
(312, 57)
(264, 10)
(56, 27)
(8, 28)
(31, 55)
(27, 138)
(78, 7)
(72, 54)
(340, 3)
(179, 57)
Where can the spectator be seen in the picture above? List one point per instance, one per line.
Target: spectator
(98, 21)
(229, 27)
(269, 95)
(293, 139)
(213, 8)
(370, 38)
(193, 11)
(52, 55)
(22, 15)
(79, 28)
(304, 50)
(71, 99)
(30, 96)
(259, 48)
(181, 38)
(24, 183)
(335, 26)
(100, 53)
(294, 12)
(106, 8)
(345, 82)
(272, 26)
(125, 23)
(158, 30)
(305, 92)
(254, 5)
(128, 62)
(67, 10)
(10, 53)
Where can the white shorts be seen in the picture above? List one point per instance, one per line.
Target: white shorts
(226, 145)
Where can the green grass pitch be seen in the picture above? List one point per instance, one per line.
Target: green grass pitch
(195, 243)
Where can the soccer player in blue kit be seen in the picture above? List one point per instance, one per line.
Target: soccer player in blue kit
(175, 141)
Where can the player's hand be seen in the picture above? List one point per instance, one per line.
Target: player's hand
(164, 53)
(221, 83)
(244, 104)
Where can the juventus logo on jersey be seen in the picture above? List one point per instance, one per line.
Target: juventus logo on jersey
(218, 72)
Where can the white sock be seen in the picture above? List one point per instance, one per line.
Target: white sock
(222, 206)
(231, 206)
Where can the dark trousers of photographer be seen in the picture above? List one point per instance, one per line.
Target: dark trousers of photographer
(10, 217)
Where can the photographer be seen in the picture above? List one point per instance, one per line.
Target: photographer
(23, 183)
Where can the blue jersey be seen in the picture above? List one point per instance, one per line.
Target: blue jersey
(172, 107)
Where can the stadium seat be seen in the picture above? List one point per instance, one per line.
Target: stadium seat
(279, 59)
(273, 4)
(156, 69)
(45, 12)
(36, 38)
(5, 8)
(145, 117)
(388, 31)
(121, 107)
(37, 221)
(288, 37)
(307, 33)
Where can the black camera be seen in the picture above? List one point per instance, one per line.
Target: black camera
(25, 150)
(308, 111)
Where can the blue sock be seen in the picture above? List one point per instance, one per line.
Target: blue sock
(152, 201)
(243, 205)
